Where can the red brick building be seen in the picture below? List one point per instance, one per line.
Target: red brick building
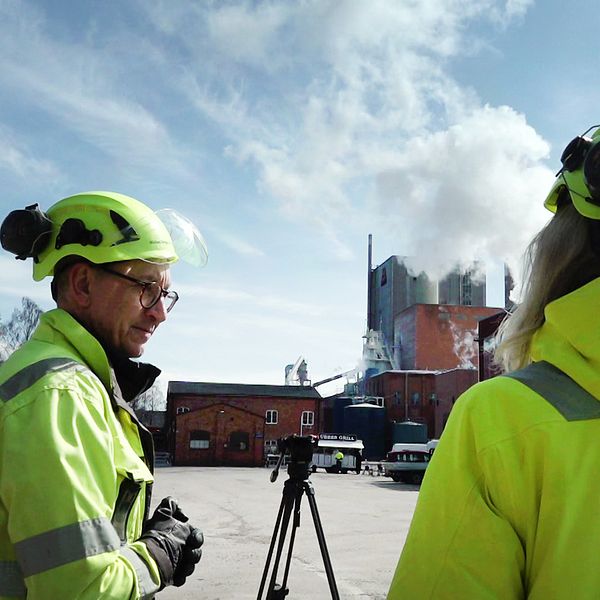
(235, 424)
(439, 336)
(421, 396)
(438, 352)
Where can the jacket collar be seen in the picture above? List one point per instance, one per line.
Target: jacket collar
(133, 378)
(570, 336)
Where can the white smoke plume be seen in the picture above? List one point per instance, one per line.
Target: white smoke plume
(472, 191)
(464, 346)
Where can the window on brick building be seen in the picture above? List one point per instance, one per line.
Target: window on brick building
(239, 440)
(415, 398)
(271, 446)
(308, 418)
(200, 439)
(182, 410)
(271, 417)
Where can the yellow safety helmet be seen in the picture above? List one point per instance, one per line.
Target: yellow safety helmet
(579, 176)
(101, 227)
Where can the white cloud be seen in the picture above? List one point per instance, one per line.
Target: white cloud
(254, 27)
(234, 242)
(474, 190)
(322, 100)
(80, 83)
(516, 9)
(370, 88)
(17, 159)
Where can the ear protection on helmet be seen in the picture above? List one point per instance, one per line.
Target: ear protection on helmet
(579, 175)
(26, 232)
(584, 153)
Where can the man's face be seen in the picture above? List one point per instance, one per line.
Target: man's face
(115, 314)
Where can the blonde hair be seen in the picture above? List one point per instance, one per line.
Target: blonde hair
(562, 257)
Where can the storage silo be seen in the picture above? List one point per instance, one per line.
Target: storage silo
(367, 421)
(339, 405)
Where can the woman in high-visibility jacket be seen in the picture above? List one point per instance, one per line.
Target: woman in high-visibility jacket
(75, 463)
(508, 508)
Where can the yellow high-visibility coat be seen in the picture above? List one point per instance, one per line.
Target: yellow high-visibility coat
(74, 475)
(509, 507)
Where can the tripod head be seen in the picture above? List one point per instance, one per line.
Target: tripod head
(300, 449)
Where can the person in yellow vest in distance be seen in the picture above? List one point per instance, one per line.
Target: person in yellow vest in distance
(76, 476)
(508, 508)
(339, 457)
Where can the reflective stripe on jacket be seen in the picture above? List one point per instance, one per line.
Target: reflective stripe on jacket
(508, 508)
(73, 479)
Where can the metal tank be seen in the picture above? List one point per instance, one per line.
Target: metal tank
(367, 421)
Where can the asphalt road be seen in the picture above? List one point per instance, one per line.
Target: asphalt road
(365, 520)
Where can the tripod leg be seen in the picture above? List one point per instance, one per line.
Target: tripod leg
(310, 493)
(295, 525)
(282, 519)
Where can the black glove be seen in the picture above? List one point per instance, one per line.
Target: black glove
(173, 542)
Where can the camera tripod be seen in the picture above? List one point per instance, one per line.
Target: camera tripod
(294, 488)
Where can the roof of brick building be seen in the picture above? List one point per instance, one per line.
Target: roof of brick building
(241, 389)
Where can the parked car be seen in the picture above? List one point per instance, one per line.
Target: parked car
(407, 462)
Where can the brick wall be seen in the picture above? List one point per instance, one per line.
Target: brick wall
(221, 416)
(425, 397)
(439, 337)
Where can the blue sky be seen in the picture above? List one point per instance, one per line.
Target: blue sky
(289, 131)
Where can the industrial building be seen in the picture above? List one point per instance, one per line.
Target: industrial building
(420, 353)
(392, 288)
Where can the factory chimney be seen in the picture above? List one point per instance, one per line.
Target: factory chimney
(369, 272)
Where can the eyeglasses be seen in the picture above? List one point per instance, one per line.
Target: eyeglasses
(151, 292)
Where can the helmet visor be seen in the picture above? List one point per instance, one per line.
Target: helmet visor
(187, 239)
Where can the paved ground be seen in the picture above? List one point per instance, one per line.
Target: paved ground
(365, 520)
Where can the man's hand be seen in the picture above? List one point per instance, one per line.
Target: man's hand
(173, 543)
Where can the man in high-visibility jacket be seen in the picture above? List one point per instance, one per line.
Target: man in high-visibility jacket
(339, 457)
(75, 462)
